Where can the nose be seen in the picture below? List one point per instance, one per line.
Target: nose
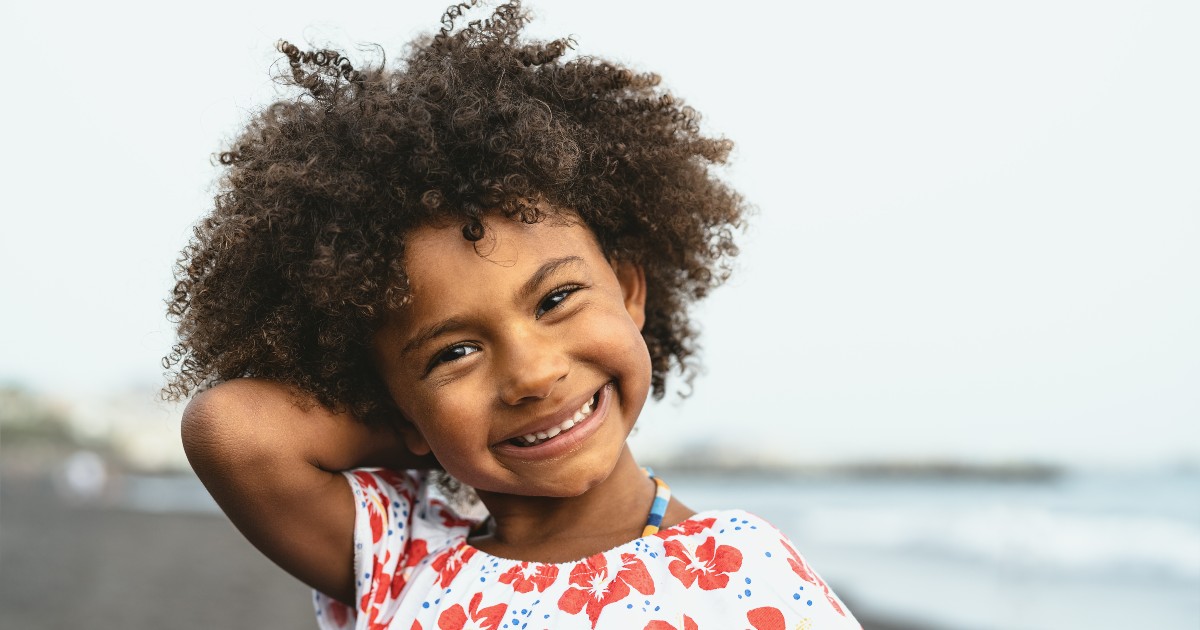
(533, 365)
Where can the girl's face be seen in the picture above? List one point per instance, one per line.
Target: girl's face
(528, 334)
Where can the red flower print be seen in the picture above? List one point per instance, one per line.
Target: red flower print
(366, 480)
(450, 519)
(400, 481)
(383, 580)
(417, 550)
(593, 586)
(383, 584)
(376, 521)
(339, 612)
(708, 565)
(766, 618)
(687, 528)
(416, 626)
(450, 562)
(688, 624)
(525, 578)
(805, 572)
(376, 572)
(799, 566)
(455, 618)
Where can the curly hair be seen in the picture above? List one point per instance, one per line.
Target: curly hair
(301, 258)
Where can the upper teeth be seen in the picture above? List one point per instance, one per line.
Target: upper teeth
(566, 424)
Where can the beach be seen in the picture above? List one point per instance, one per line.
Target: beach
(87, 544)
(110, 562)
(66, 565)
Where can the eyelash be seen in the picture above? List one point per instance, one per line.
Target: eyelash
(564, 291)
(446, 351)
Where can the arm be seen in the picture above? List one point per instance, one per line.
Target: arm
(272, 465)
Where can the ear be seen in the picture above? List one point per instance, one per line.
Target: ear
(414, 440)
(632, 279)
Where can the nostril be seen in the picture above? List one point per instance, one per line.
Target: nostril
(529, 381)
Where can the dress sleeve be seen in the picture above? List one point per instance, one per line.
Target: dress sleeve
(385, 551)
(811, 598)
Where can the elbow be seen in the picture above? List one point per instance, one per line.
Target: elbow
(201, 430)
(220, 430)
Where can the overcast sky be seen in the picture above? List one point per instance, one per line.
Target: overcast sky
(976, 231)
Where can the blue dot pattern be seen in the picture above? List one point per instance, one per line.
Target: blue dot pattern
(719, 569)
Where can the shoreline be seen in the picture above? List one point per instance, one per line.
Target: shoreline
(99, 565)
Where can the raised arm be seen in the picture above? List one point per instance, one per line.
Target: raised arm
(271, 462)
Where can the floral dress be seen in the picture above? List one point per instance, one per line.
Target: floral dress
(715, 571)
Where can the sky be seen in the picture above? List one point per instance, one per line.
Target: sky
(974, 237)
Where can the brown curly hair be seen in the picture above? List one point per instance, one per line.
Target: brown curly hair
(301, 258)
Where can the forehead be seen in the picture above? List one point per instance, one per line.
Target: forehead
(439, 259)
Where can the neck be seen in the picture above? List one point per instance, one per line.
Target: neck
(555, 529)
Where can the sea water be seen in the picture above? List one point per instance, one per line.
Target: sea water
(1082, 550)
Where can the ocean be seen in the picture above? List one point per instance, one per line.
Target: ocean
(1085, 550)
(1082, 550)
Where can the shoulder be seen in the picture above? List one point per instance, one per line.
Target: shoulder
(753, 567)
(724, 526)
(402, 530)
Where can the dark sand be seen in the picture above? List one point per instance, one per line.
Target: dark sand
(65, 565)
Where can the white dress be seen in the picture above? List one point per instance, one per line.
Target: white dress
(715, 571)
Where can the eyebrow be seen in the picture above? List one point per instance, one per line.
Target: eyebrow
(531, 285)
(529, 288)
(430, 332)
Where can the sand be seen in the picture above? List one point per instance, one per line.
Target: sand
(70, 565)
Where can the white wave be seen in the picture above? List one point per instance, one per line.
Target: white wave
(1017, 537)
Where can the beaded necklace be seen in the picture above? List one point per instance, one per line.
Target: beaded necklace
(662, 497)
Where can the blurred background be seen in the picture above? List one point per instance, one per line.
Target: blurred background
(958, 362)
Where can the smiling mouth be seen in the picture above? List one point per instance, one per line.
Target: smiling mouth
(533, 439)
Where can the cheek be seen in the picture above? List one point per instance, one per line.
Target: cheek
(449, 417)
(620, 340)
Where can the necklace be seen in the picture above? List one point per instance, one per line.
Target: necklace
(662, 497)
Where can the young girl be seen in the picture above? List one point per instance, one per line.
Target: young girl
(467, 274)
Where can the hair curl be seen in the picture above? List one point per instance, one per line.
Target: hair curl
(301, 257)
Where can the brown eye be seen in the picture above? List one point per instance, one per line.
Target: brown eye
(553, 300)
(453, 353)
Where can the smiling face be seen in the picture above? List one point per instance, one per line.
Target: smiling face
(519, 360)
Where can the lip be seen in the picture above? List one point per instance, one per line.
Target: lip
(564, 442)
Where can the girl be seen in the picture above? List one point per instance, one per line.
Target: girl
(424, 317)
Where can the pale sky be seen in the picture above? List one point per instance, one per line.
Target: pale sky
(975, 237)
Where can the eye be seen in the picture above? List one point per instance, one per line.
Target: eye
(556, 297)
(453, 353)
